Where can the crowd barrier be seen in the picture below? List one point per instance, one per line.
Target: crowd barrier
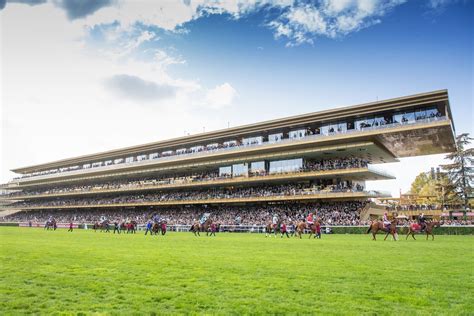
(443, 230)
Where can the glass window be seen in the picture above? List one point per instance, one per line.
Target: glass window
(341, 127)
(197, 149)
(225, 171)
(240, 169)
(252, 141)
(432, 112)
(230, 143)
(257, 167)
(180, 151)
(297, 134)
(129, 159)
(324, 130)
(420, 114)
(290, 165)
(212, 146)
(154, 156)
(273, 138)
(167, 153)
(408, 117)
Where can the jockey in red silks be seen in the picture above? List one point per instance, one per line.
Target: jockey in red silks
(386, 222)
(309, 219)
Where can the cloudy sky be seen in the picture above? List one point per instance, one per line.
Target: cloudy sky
(80, 76)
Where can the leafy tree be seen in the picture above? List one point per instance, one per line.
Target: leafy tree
(460, 171)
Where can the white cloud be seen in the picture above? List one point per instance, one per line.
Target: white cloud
(302, 23)
(220, 96)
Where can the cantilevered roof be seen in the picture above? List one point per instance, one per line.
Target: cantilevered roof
(434, 97)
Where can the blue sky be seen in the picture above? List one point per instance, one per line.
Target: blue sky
(86, 76)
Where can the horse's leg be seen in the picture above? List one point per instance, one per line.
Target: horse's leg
(409, 232)
(386, 236)
(432, 236)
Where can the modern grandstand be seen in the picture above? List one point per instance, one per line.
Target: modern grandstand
(317, 161)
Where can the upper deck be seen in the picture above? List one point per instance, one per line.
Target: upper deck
(409, 126)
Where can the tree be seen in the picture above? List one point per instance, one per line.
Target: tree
(460, 171)
(429, 190)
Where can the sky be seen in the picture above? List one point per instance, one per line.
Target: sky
(82, 76)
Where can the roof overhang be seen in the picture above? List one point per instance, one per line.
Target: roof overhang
(439, 97)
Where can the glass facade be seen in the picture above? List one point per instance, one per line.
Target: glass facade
(252, 140)
(273, 138)
(297, 134)
(290, 165)
(225, 171)
(241, 169)
(257, 167)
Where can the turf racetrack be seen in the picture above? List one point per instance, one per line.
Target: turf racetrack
(87, 272)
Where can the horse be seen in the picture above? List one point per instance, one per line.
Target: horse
(314, 228)
(158, 227)
(51, 225)
(378, 225)
(273, 228)
(416, 228)
(197, 227)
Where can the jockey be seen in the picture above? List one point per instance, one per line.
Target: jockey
(386, 222)
(422, 221)
(309, 219)
(275, 220)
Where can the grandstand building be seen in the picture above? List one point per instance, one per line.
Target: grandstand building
(321, 156)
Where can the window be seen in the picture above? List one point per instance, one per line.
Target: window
(197, 149)
(290, 165)
(225, 171)
(212, 146)
(252, 141)
(240, 170)
(180, 151)
(167, 153)
(257, 167)
(274, 138)
(297, 134)
(129, 159)
(230, 143)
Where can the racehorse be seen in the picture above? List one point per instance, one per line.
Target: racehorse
(198, 227)
(159, 227)
(379, 226)
(273, 228)
(416, 228)
(314, 228)
(50, 225)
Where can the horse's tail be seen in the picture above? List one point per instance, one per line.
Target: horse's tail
(370, 228)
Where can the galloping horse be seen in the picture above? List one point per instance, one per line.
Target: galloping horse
(314, 228)
(378, 225)
(416, 228)
(273, 228)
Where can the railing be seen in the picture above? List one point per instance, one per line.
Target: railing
(145, 162)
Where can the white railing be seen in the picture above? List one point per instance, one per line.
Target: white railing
(229, 149)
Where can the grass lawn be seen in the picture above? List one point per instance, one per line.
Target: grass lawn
(86, 272)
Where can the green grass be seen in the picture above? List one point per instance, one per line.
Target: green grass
(85, 272)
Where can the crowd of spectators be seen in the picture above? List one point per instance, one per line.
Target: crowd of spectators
(212, 193)
(319, 165)
(337, 213)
